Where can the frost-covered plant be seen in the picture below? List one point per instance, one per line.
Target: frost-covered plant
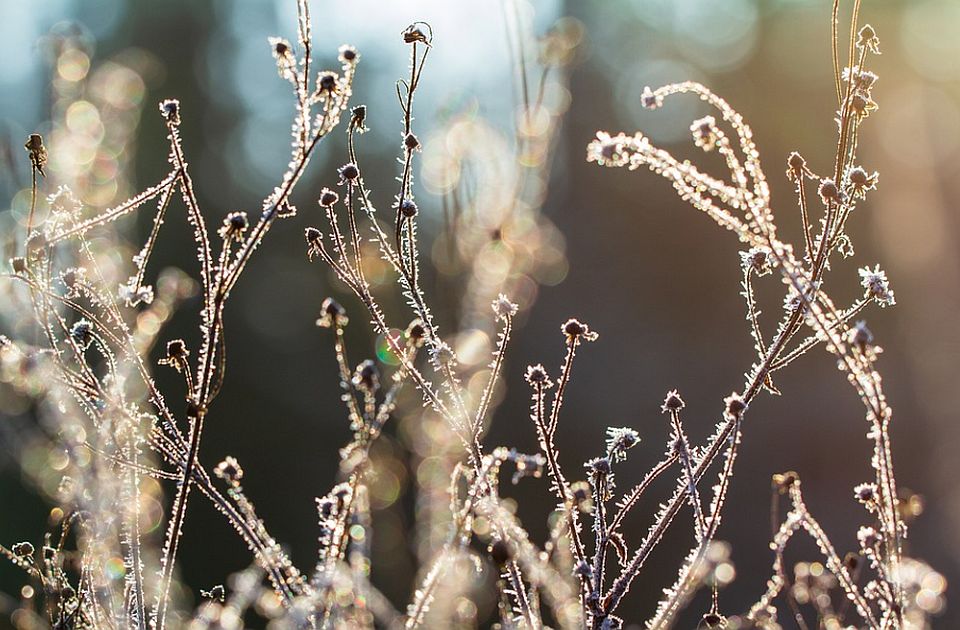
(97, 323)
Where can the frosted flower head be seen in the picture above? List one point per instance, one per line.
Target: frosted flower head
(18, 264)
(860, 336)
(797, 168)
(411, 142)
(443, 354)
(234, 226)
(869, 538)
(649, 99)
(876, 286)
(575, 330)
(82, 333)
(537, 376)
(170, 110)
(867, 39)
(327, 82)
(348, 172)
(863, 80)
(861, 181)
(598, 466)
(829, 192)
(704, 133)
(416, 333)
(283, 54)
(619, 441)
(866, 493)
(176, 355)
(734, 406)
(366, 377)
(673, 402)
(408, 208)
(757, 260)
(503, 307)
(229, 470)
(332, 314)
(328, 198)
(348, 55)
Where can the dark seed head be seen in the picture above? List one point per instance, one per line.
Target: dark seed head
(328, 198)
(411, 141)
(348, 172)
(408, 208)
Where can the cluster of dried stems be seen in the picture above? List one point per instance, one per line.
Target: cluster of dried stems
(88, 369)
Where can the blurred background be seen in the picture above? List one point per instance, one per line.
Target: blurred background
(659, 282)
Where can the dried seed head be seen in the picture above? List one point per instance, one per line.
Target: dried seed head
(868, 537)
(704, 133)
(829, 192)
(348, 54)
(581, 496)
(408, 208)
(867, 38)
(784, 481)
(866, 493)
(327, 82)
(348, 172)
(82, 333)
(672, 402)
(23, 550)
(619, 441)
(876, 286)
(649, 99)
(177, 349)
(414, 34)
(735, 406)
(860, 336)
(234, 226)
(862, 104)
(537, 376)
(328, 198)
(411, 142)
(503, 307)
(19, 264)
(170, 110)
(797, 168)
(358, 116)
(229, 470)
(416, 333)
(217, 593)
(599, 466)
(37, 152)
(366, 377)
(332, 314)
(443, 354)
(576, 330)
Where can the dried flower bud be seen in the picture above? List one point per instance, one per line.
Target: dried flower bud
(348, 54)
(327, 82)
(867, 38)
(876, 286)
(583, 569)
(411, 142)
(332, 314)
(348, 172)
(234, 226)
(672, 402)
(649, 99)
(19, 264)
(599, 466)
(713, 621)
(868, 537)
(866, 493)
(619, 441)
(784, 481)
(416, 333)
(503, 307)
(229, 470)
(366, 377)
(408, 208)
(829, 192)
(861, 181)
(82, 333)
(170, 110)
(537, 376)
(177, 349)
(576, 330)
(734, 405)
(414, 34)
(358, 116)
(860, 336)
(328, 198)
(38, 153)
(797, 168)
